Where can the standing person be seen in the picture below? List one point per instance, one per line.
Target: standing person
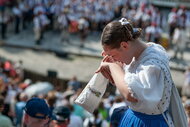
(36, 113)
(95, 120)
(5, 121)
(17, 15)
(83, 29)
(186, 85)
(140, 72)
(4, 19)
(37, 29)
(153, 33)
(24, 10)
(179, 41)
(75, 121)
(64, 23)
(74, 84)
(172, 21)
(19, 107)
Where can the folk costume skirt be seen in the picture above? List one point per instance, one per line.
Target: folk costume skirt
(136, 119)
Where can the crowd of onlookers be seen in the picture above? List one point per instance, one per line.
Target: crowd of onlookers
(18, 107)
(56, 108)
(90, 16)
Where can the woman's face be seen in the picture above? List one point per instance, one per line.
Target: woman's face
(121, 54)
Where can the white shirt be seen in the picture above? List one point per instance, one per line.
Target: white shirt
(38, 9)
(17, 11)
(75, 121)
(83, 24)
(22, 7)
(146, 79)
(150, 29)
(44, 20)
(62, 20)
(180, 38)
(172, 18)
(154, 31)
(37, 22)
(10, 96)
(149, 80)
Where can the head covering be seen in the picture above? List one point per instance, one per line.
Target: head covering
(61, 113)
(37, 108)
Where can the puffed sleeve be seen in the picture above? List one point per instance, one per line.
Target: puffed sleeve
(147, 85)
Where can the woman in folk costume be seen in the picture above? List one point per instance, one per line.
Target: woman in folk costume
(141, 73)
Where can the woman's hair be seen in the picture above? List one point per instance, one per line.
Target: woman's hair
(51, 98)
(118, 31)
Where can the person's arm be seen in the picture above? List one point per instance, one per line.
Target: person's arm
(117, 74)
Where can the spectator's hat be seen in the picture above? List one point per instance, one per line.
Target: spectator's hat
(37, 108)
(61, 113)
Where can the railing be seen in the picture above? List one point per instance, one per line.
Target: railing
(171, 3)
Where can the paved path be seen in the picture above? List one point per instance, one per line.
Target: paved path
(81, 66)
(40, 62)
(51, 43)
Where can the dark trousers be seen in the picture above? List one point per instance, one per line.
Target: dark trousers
(3, 30)
(17, 23)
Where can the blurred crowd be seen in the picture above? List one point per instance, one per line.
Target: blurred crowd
(18, 98)
(90, 16)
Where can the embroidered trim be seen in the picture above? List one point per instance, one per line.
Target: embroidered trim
(95, 92)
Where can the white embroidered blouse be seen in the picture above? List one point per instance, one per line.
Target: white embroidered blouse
(149, 80)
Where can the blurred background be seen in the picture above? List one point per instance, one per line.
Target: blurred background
(51, 48)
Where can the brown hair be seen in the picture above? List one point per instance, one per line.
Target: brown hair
(114, 33)
(51, 98)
